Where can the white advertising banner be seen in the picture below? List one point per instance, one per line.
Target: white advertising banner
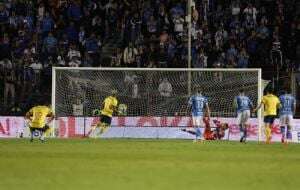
(139, 127)
(10, 127)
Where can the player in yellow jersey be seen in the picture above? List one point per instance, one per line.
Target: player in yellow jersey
(271, 103)
(109, 106)
(38, 122)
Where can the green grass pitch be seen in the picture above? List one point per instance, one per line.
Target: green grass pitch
(79, 164)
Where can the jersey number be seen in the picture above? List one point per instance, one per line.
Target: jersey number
(287, 103)
(37, 115)
(199, 104)
(244, 103)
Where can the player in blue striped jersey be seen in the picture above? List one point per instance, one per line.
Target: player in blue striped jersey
(243, 105)
(286, 112)
(199, 104)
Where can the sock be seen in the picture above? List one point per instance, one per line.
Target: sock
(198, 133)
(47, 132)
(242, 132)
(289, 133)
(103, 128)
(282, 130)
(32, 134)
(93, 128)
(42, 135)
(245, 132)
(268, 132)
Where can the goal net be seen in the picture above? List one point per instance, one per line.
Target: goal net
(150, 92)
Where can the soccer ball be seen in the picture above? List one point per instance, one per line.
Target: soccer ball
(122, 110)
(36, 133)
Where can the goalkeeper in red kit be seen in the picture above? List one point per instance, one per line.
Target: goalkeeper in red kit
(217, 134)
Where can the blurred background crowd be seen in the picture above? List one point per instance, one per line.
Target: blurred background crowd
(36, 35)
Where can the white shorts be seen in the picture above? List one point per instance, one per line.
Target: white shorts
(286, 119)
(243, 117)
(197, 121)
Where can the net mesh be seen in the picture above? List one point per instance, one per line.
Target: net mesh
(150, 92)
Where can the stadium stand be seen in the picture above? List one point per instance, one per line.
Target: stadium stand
(36, 35)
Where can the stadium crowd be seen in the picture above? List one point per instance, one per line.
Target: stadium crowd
(36, 35)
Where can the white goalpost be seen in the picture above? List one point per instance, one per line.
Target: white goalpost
(152, 92)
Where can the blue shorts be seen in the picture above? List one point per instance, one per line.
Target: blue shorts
(269, 119)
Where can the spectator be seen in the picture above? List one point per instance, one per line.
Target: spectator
(235, 8)
(129, 55)
(87, 61)
(243, 59)
(152, 56)
(163, 19)
(81, 36)
(131, 85)
(41, 11)
(249, 23)
(47, 24)
(6, 64)
(37, 67)
(231, 53)
(9, 87)
(136, 23)
(201, 60)
(78, 108)
(73, 52)
(163, 58)
(92, 47)
(152, 26)
(72, 33)
(165, 88)
(178, 25)
(141, 57)
(50, 45)
(64, 44)
(220, 38)
(262, 31)
(98, 26)
(4, 14)
(74, 11)
(60, 61)
(74, 62)
(251, 12)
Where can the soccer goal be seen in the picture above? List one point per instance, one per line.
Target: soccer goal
(152, 97)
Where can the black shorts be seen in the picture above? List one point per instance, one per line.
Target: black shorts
(45, 128)
(105, 119)
(269, 119)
